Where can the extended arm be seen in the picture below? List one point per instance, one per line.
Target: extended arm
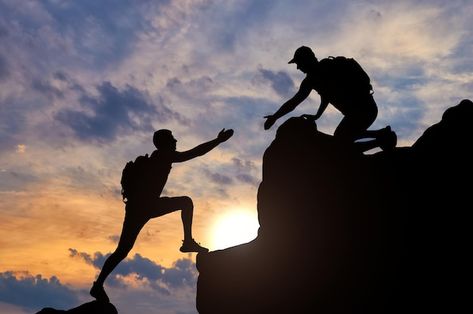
(203, 148)
(323, 105)
(289, 105)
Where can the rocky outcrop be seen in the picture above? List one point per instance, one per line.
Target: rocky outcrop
(343, 232)
(93, 307)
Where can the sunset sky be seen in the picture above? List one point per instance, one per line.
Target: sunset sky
(85, 83)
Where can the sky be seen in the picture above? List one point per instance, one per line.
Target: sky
(84, 84)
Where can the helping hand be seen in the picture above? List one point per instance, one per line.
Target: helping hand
(224, 135)
(270, 120)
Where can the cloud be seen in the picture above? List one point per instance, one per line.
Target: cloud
(244, 169)
(218, 178)
(232, 23)
(114, 238)
(249, 179)
(87, 257)
(97, 31)
(280, 81)
(35, 292)
(4, 71)
(114, 111)
(191, 89)
(46, 88)
(16, 180)
(182, 273)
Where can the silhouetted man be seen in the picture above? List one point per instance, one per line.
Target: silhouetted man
(145, 203)
(353, 98)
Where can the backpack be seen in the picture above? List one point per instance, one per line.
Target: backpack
(134, 177)
(349, 75)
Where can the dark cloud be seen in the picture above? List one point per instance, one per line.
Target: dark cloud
(244, 169)
(280, 81)
(222, 192)
(111, 111)
(114, 238)
(194, 85)
(46, 88)
(13, 180)
(218, 178)
(249, 179)
(243, 165)
(60, 76)
(70, 82)
(85, 256)
(35, 292)
(191, 90)
(183, 272)
(114, 111)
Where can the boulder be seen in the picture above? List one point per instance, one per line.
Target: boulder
(93, 307)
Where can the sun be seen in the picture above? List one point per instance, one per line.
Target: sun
(235, 227)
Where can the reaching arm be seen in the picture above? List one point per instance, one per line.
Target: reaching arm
(203, 148)
(322, 107)
(289, 105)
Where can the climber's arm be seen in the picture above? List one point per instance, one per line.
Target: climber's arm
(203, 148)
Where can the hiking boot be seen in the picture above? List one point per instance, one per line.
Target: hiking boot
(192, 246)
(99, 293)
(388, 139)
(384, 132)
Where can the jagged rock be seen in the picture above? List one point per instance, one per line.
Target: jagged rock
(93, 307)
(343, 232)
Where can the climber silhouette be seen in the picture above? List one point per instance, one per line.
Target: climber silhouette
(143, 200)
(343, 83)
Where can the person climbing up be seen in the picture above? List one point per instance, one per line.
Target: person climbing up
(142, 183)
(343, 83)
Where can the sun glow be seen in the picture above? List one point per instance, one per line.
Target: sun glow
(234, 228)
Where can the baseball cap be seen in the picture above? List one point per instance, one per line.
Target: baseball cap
(303, 52)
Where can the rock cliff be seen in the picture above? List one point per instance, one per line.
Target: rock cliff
(343, 232)
(93, 307)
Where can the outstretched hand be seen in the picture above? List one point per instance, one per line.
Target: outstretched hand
(224, 135)
(270, 120)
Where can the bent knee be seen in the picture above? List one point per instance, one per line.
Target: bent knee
(346, 133)
(186, 202)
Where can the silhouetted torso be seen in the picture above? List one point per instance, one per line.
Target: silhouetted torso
(161, 164)
(328, 84)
